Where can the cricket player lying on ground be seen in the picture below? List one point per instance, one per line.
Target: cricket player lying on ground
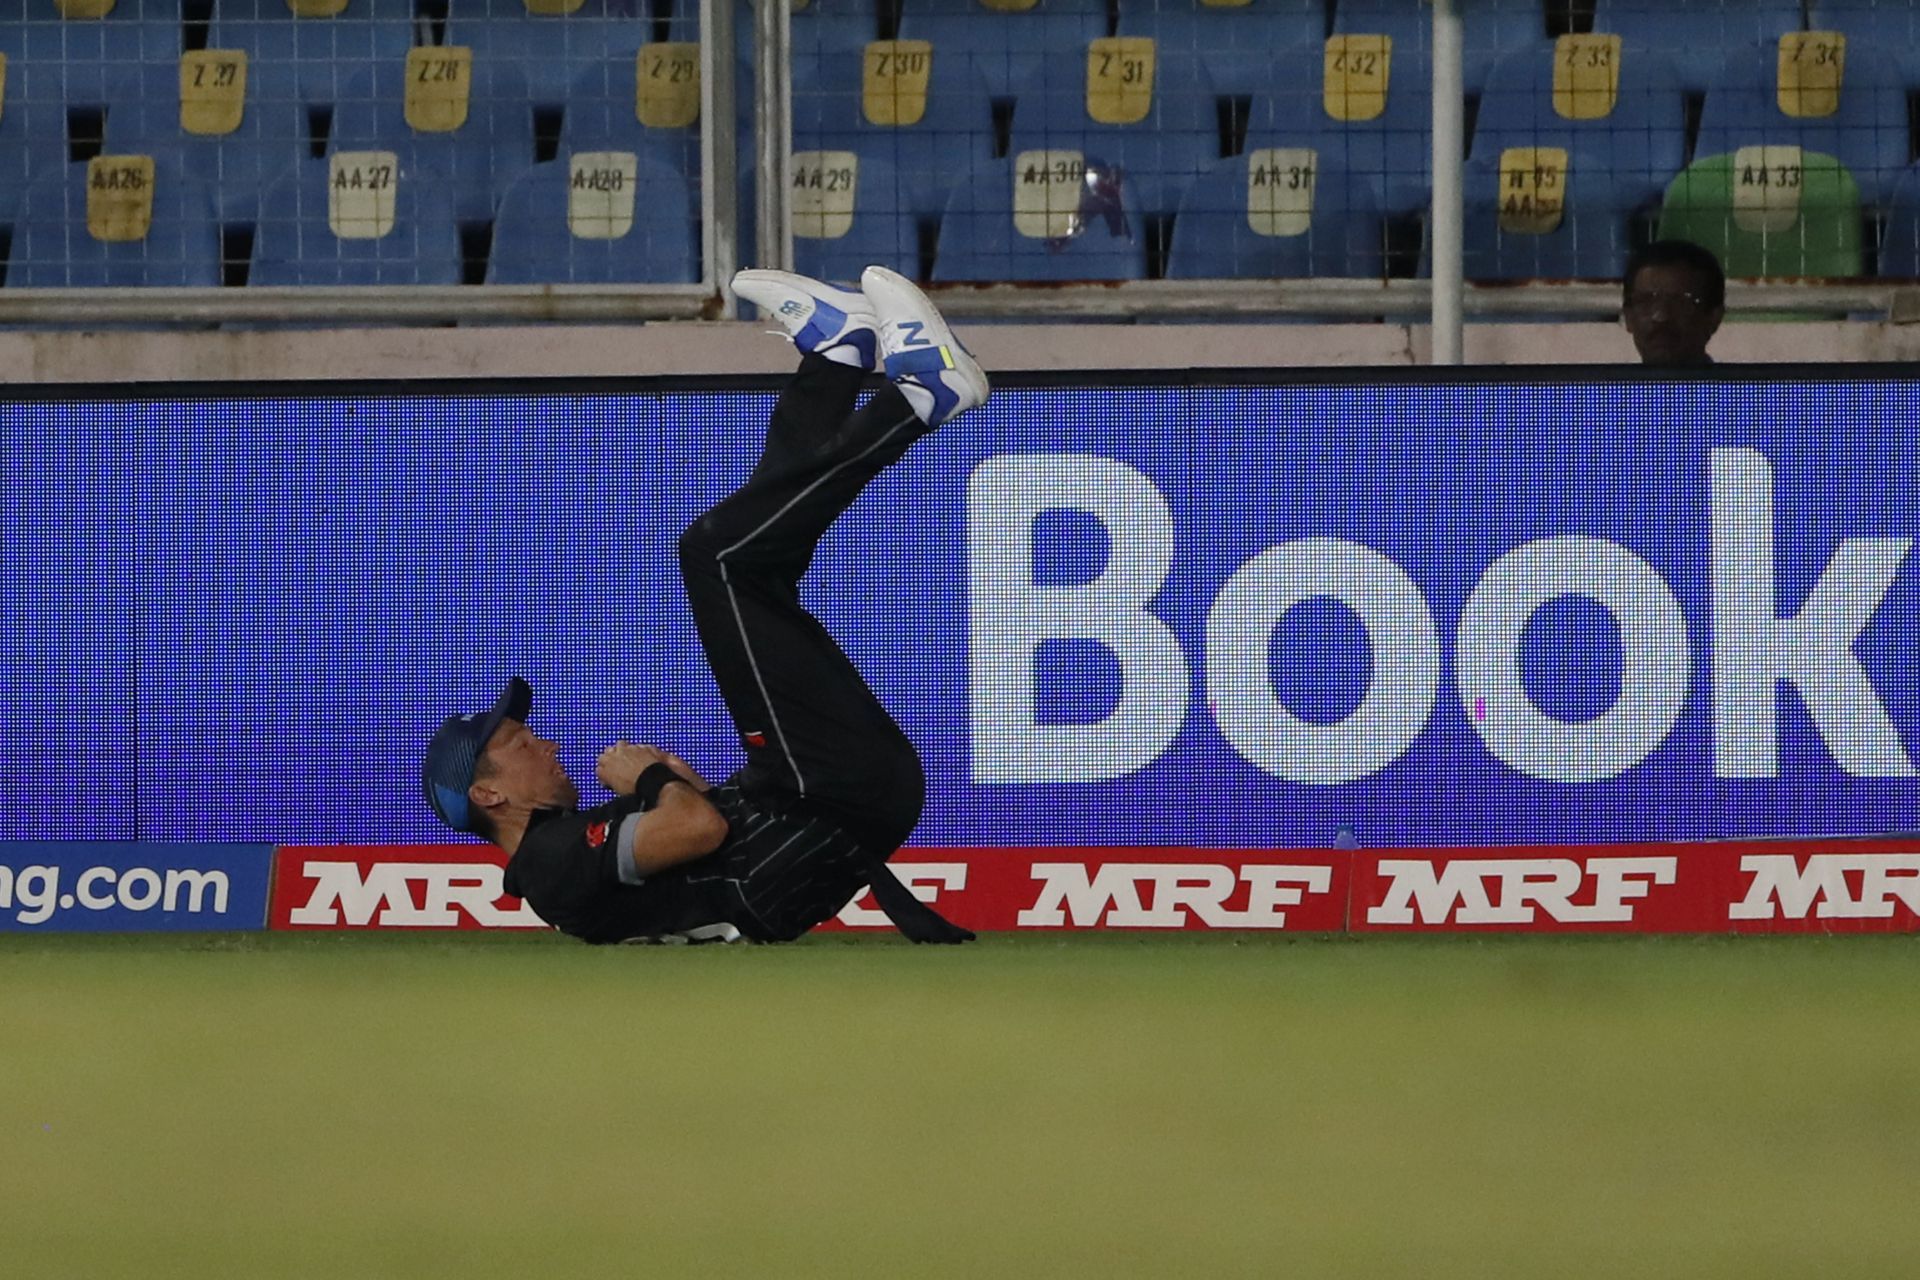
(831, 786)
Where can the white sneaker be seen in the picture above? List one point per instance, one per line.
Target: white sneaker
(939, 377)
(836, 323)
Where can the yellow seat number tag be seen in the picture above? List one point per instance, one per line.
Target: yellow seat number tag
(317, 8)
(119, 198)
(1280, 186)
(1354, 76)
(824, 186)
(1533, 190)
(554, 8)
(667, 85)
(213, 91)
(1120, 79)
(1766, 188)
(1008, 6)
(1812, 71)
(1586, 76)
(1046, 193)
(1225, 4)
(600, 191)
(893, 88)
(439, 87)
(361, 186)
(84, 8)
(3, 86)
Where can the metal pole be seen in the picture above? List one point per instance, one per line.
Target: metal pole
(1449, 145)
(773, 132)
(719, 166)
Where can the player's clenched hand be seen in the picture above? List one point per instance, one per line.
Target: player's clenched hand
(621, 765)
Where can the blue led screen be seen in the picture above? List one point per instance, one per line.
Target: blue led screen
(1419, 613)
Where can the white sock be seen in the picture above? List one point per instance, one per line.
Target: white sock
(844, 353)
(919, 399)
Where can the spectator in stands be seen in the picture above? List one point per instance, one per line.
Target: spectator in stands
(1675, 297)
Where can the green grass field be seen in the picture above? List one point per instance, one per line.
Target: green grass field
(514, 1105)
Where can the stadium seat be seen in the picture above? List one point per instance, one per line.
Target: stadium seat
(1900, 243)
(1893, 29)
(310, 58)
(1862, 121)
(1058, 227)
(1373, 129)
(1529, 221)
(232, 139)
(327, 222)
(85, 56)
(627, 224)
(1159, 141)
(1280, 214)
(33, 134)
(1615, 108)
(1771, 212)
(1234, 41)
(1006, 41)
(551, 48)
(1696, 35)
(932, 141)
(63, 215)
(1489, 27)
(477, 150)
(604, 112)
(847, 214)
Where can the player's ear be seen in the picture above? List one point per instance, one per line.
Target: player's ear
(484, 796)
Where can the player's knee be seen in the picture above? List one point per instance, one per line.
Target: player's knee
(701, 542)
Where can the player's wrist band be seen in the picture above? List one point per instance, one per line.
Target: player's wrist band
(652, 778)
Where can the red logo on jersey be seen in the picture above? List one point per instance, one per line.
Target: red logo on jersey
(596, 835)
(756, 739)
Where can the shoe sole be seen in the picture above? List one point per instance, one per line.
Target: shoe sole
(936, 326)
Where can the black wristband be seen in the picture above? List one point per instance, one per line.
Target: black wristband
(652, 778)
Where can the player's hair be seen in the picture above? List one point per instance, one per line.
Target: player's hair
(1680, 253)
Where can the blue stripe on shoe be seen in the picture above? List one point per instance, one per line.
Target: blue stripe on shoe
(821, 327)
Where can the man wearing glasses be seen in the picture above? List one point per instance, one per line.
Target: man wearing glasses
(1675, 297)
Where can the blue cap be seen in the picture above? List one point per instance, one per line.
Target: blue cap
(455, 751)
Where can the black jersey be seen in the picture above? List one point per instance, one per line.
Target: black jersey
(780, 870)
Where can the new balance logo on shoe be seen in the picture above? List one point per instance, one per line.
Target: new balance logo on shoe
(910, 334)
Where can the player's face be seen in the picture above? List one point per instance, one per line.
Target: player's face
(1667, 315)
(523, 768)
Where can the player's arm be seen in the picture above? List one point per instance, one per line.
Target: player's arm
(680, 823)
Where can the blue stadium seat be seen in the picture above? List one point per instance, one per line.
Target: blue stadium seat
(882, 231)
(477, 161)
(1234, 43)
(1640, 142)
(1221, 233)
(296, 243)
(1867, 132)
(52, 246)
(144, 115)
(1893, 29)
(980, 240)
(86, 55)
(310, 59)
(1157, 157)
(1391, 155)
(1006, 49)
(600, 115)
(1490, 28)
(33, 134)
(551, 50)
(533, 242)
(1696, 34)
(1591, 241)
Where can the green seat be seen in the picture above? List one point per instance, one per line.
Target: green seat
(1746, 213)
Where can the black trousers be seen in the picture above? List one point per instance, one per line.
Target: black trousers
(815, 735)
